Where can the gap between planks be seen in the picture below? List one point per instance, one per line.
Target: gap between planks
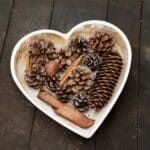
(8, 24)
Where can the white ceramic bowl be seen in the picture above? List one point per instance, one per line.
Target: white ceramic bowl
(18, 64)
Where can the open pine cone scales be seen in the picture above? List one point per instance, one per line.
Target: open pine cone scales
(41, 51)
(92, 60)
(105, 81)
(62, 93)
(78, 45)
(80, 101)
(35, 76)
(102, 43)
(81, 79)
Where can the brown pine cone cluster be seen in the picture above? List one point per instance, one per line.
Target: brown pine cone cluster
(81, 79)
(101, 43)
(91, 83)
(105, 81)
(42, 51)
(36, 76)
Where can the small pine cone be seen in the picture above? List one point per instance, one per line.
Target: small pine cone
(78, 45)
(81, 79)
(36, 76)
(64, 58)
(80, 101)
(92, 60)
(41, 51)
(61, 92)
(101, 43)
(105, 81)
(52, 83)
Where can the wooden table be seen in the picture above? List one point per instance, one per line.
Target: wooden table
(24, 127)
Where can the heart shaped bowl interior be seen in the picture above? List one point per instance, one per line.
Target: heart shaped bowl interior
(20, 55)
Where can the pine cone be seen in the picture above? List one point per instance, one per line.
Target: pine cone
(78, 45)
(81, 79)
(41, 51)
(80, 101)
(52, 83)
(64, 58)
(36, 76)
(62, 93)
(101, 43)
(105, 81)
(92, 60)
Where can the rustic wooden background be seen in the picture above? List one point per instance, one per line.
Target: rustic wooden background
(23, 127)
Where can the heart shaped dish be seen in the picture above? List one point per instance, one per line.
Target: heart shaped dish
(75, 78)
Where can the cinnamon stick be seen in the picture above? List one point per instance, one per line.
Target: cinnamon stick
(70, 69)
(65, 111)
(50, 99)
(75, 116)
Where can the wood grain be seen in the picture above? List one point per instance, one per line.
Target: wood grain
(144, 110)
(5, 13)
(66, 14)
(23, 127)
(16, 113)
(119, 131)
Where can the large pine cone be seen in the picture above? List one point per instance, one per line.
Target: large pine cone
(41, 51)
(36, 76)
(92, 60)
(101, 42)
(106, 80)
(81, 79)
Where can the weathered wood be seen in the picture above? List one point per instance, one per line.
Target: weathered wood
(66, 14)
(144, 124)
(122, 128)
(16, 113)
(5, 11)
(119, 131)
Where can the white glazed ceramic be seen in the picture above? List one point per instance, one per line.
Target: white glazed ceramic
(18, 66)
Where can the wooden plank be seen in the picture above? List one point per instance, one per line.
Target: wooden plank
(53, 136)
(16, 113)
(5, 9)
(144, 132)
(119, 131)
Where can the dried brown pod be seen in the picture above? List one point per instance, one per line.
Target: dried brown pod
(52, 67)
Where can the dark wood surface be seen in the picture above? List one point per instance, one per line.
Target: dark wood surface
(23, 127)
